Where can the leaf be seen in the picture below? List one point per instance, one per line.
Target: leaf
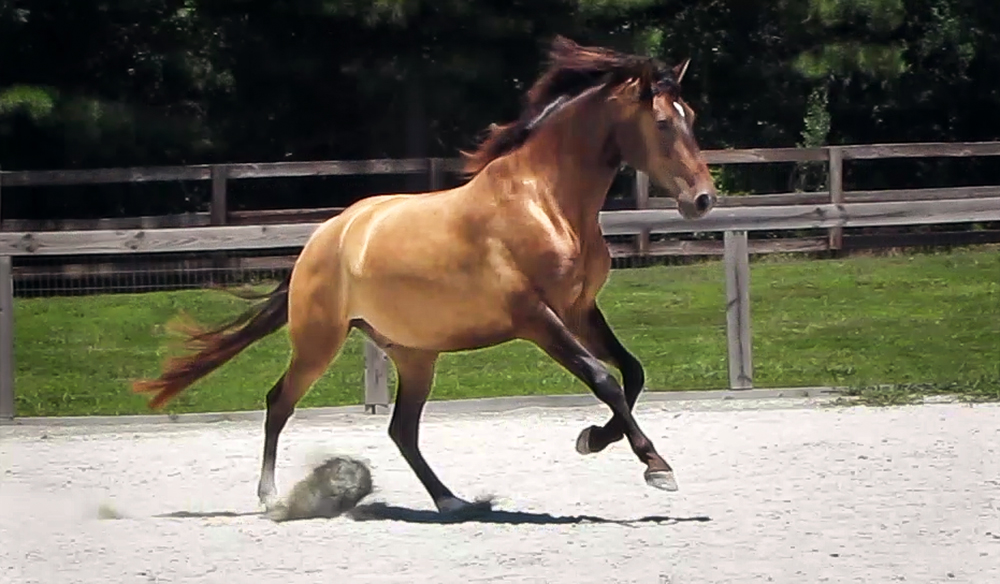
(36, 101)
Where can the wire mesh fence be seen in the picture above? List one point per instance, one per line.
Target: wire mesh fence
(136, 273)
(86, 329)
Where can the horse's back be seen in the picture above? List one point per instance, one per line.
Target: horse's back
(421, 270)
(334, 235)
(320, 276)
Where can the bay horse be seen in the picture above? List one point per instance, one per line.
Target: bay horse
(514, 253)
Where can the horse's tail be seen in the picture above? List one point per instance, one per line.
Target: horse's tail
(216, 347)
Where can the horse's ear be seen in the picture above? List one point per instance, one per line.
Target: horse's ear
(647, 71)
(680, 70)
(647, 76)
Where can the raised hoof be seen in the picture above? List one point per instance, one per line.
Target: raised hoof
(661, 479)
(583, 441)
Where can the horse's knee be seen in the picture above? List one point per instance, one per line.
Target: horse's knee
(275, 393)
(278, 408)
(395, 434)
(400, 429)
(603, 382)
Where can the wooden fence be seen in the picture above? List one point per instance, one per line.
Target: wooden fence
(220, 229)
(734, 222)
(435, 170)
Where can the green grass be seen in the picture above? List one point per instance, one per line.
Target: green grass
(864, 321)
(984, 389)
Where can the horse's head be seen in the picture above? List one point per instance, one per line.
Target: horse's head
(655, 134)
(650, 126)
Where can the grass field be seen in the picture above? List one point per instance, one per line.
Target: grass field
(910, 318)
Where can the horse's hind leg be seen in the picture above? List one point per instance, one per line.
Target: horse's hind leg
(415, 370)
(315, 343)
(605, 345)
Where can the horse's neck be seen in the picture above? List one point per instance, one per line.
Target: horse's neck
(568, 162)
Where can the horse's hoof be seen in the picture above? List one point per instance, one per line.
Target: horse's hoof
(583, 441)
(268, 499)
(457, 509)
(661, 479)
(451, 504)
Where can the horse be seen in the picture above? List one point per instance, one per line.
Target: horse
(516, 252)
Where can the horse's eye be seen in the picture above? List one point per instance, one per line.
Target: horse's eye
(662, 124)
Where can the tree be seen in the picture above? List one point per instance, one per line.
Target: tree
(200, 81)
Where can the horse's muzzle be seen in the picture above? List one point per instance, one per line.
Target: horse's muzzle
(698, 206)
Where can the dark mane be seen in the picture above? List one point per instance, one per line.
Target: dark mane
(572, 69)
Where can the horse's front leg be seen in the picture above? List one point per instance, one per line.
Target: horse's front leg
(602, 342)
(559, 342)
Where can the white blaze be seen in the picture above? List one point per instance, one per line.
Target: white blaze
(680, 110)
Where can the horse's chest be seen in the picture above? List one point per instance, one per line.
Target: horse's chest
(563, 261)
(573, 279)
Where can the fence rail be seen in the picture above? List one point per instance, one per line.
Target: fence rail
(435, 168)
(237, 170)
(244, 237)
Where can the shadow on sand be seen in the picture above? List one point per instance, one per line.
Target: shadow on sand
(480, 511)
(207, 514)
(483, 512)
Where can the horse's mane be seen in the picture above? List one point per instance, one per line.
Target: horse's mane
(572, 69)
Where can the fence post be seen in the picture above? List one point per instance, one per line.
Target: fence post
(642, 202)
(218, 212)
(836, 185)
(7, 408)
(435, 174)
(737, 262)
(376, 378)
(218, 208)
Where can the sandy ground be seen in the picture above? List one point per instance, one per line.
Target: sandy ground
(769, 492)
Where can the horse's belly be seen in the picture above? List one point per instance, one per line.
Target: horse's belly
(432, 317)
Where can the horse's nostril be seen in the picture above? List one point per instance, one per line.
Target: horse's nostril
(703, 202)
